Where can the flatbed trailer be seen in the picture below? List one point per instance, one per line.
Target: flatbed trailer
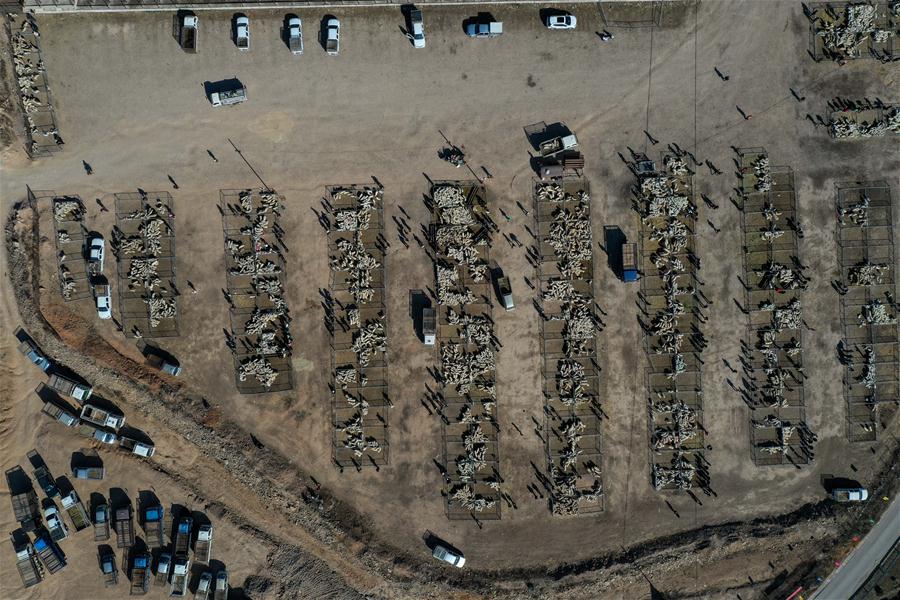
(50, 554)
(27, 564)
(140, 575)
(153, 526)
(124, 528)
(75, 509)
(101, 523)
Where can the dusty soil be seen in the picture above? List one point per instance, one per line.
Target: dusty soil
(131, 104)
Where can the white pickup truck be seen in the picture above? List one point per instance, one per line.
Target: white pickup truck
(333, 36)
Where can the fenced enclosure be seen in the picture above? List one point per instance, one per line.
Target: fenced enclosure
(144, 245)
(459, 240)
(70, 236)
(569, 325)
(867, 262)
(774, 282)
(671, 302)
(357, 320)
(260, 338)
(850, 31)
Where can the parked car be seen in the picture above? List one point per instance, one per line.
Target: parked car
(242, 32)
(563, 21)
(448, 556)
(483, 27)
(417, 35)
(96, 253)
(333, 36)
(104, 301)
(295, 35)
(850, 494)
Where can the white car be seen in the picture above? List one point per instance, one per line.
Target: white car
(417, 35)
(242, 32)
(104, 304)
(96, 253)
(447, 556)
(333, 37)
(295, 35)
(561, 22)
(55, 525)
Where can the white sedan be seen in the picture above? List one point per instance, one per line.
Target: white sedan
(104, 305)
(561, 22)
(448, 556)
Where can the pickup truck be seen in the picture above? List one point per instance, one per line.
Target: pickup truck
(95, 433)
(295, 35)
(55, 525)
(203, 545)
(101, 523)
(75, 509)
(242, 33)
(50, 554)
(166, 366)
(850, 494)
(181, 572)
(88, 472)
(484, 28)
(429, 326)
(101, 417)
(504, 292)
(103, 301)
(417, 25)
(204, 585)
(221, 592)
(108, 568)
(163, 568)
(226, 98)
(136, 447)
(59, 414)
(68, 387)
(96, 254)
(333, 36)
(34, 354)
(44, 478)
(187, 35)
(559, 144)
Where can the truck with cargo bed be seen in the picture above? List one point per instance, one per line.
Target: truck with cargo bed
(57, 413)
(50, 554)
(504, 292)
(228, 97)
(163, 568)
(140, 574)
(221, 592)
(183, 535)
(75, 509)
(69, 387)
(124, 528)
(102, 417)
(88, 472)
(630, 262)
(34, 354)
(850, 494)
(332, 36)
(181, 572)
(429, 326)
(55, 525)
(203, 546)
(27, 564)
(204, 586)
(90, 430)
(166, 365)
(25, 507)
(135, 447)
(188, 33)
(242, 32)
(153, 526)
(101, 523)
(295, 35)
(43, 476)
(108, 568)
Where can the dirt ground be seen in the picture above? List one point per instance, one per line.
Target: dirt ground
(131, 104)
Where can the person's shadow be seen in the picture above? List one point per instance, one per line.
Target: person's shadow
(87, 168)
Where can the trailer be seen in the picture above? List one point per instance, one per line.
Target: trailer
(50, 554)
(124, 528)
(108, 568)
(153, 526)
(60, 414)
(181, 572)
(135, 447)
(26, 508)
(101, 523)
(204, 586)
(163, 568)
(630, 262)
(183, 535)
(140, 574)
(69, 387)
(27, 564)
(75, 509)
(188, 34)
(102, 417)
(34, 354)
(203, 546)
(221, 592)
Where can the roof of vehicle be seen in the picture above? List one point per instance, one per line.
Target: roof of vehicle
(294, 21)
(242, 21)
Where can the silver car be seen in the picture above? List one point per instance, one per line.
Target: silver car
(448, 556)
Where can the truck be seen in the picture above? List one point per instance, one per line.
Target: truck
(75, 509)
(50, 554)
(228, 97)
(88, 472)
(204, 585)
(165, 365)
(140, 574)
(183, 535)
(181, 572)
(484, 27)
(163, 568)
(27, 563)
(417, 28)
(26, 509)
(221, 592)
(558, 144)
(108, 567)
(136, 447)
(295, 35)
(34, 354)
(68, 387)
(101, 523)
(332, 36)
(630, 262)
(90, 430)
(203, 546)
(504, 292)
(124, 528)
(55, 525)
(858, 494)
(102, 417)
(429, 326)
(57, 413)
(242, 33)
(43, 476)
(153, 526)
(187, 34)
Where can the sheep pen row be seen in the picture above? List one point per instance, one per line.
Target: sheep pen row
(69, 235)
(357, 321)
(260, 338)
